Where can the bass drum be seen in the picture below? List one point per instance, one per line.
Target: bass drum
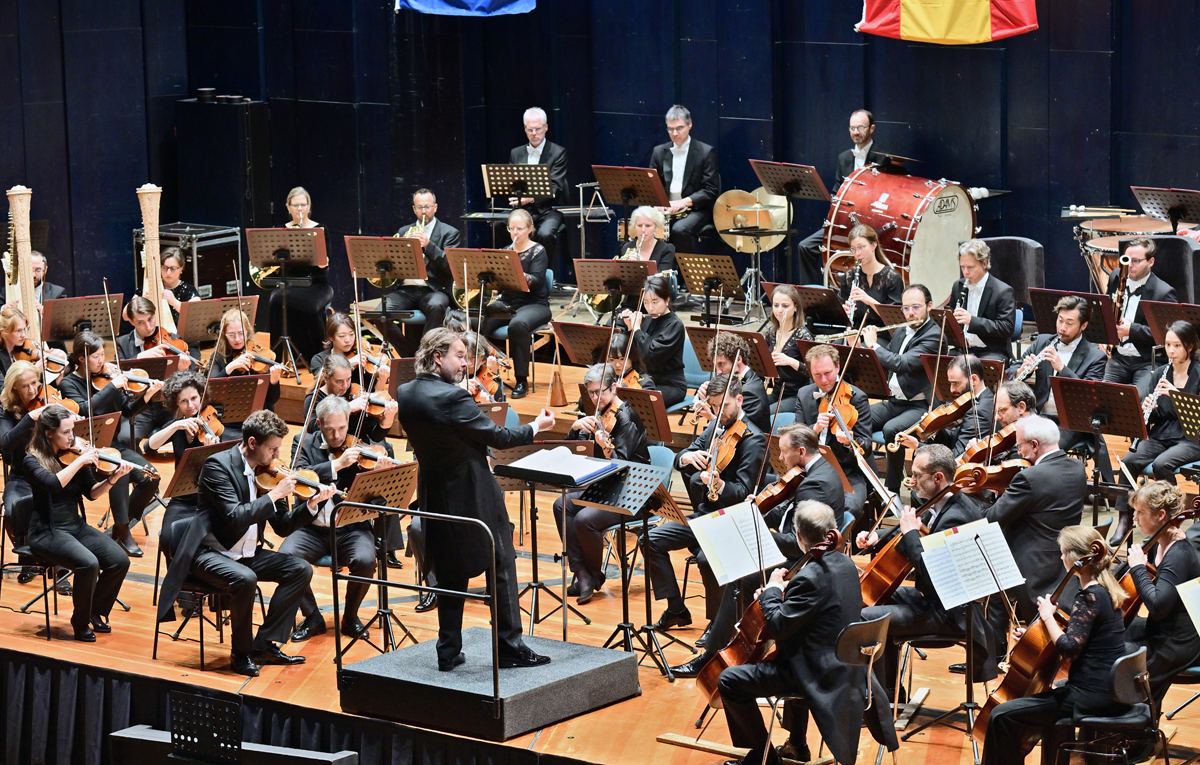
(920, 224)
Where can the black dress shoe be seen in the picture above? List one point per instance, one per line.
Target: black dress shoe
(393, 561)
(669, 620)
(428, 602)
(65, 589)
(310, 627)
(691, 668)
(243, 664)
(121, 536)
(573, 587)
(958, 669)
(273, 655)
(26, 576)
(354, 628)
(520, 390)
(446, 666)
(525, 658)
(703, 639)
(99, 625)
(83, 632)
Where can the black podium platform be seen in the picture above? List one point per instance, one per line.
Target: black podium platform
(407, 687)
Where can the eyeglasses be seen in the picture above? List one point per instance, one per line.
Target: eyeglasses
(1137, 260)
(859, 128)
(171, 269)
(912, 308)
(679, 129)
(861, 248)
(235, 335)
(595, 393)
(424, 207)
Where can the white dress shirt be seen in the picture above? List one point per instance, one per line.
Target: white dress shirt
(429, 224)
(1044, 456)
(1065, 352)
(533, 154)
(974, 297)
(894, 381)
(860, 155)
(679, 156)
(1129, 310)
(248, 544)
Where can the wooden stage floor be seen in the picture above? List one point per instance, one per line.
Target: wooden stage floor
(623, 733)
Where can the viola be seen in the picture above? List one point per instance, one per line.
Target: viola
(846, 413)
(375, 401)
(991, 477)
(262, 361)
(752, 643)
(56, 361)
(1133, 603)
(109, 459)
(939, 418)
(307, 483)
(48, 395)
(1001, 441)
(1033, 661)
(779, 491)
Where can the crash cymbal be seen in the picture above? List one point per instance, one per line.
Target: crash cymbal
(766, 215)
(756, 207)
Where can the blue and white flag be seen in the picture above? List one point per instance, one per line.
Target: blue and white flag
(467, 7)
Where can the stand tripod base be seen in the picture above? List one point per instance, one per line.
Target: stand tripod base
(383, 619)
(287, 353)
(534, 618)
(645, 641)
(970, 708)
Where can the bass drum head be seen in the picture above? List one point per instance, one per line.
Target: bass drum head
(947, 221)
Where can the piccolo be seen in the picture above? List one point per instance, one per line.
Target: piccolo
(853, 332)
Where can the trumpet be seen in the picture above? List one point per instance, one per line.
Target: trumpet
(853, 332)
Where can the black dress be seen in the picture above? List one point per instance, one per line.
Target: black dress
(15, 433)
(886, 286)
(1168, 633)
(660, 343)
(791, 379)
(529, 310)
(180, 506)
(663, 256)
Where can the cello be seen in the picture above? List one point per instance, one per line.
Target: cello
(752, 643)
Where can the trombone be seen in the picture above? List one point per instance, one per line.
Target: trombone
(853, 332)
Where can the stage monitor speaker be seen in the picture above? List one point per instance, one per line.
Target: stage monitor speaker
(224, 162)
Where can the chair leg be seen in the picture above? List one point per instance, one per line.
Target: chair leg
(261, 606)
(1179, 708)
(47, 603)
(770, 729)
(157, 570)
(203, 602)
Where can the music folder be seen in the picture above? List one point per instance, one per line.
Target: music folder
(957, 562)
(731, 544)
(558, 467)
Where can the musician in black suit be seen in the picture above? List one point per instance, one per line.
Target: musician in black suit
(965, 374)
(43, 289)
(1039, 502)
(540, 151)
(820, 483)
(805, 616)
(450, 436)
(908, 381)
(983, 305)
(731, 484)
(723, 348)
(143, 315)
(688, 169)
(918, 610)
(1130, 362)
(822, 363)
(222, 545)
(431, 296)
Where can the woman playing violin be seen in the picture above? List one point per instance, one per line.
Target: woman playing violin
(787, 327)
(619, 434)
(1168, 634)
(235, 354)
(88, 365)
(659, 337)
(21, 409)
(182, 395)
(485, 385)
(1094, 638)
(336, 382)
(13, 334)
(340, 338)
(143, 343)
(58, 530)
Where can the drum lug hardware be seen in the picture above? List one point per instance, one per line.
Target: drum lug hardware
(917, 196)
(978, 229)
(906, 216)
(848, 203)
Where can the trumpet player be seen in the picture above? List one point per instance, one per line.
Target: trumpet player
(1129, 361)
(1167, 449)
(431, 295)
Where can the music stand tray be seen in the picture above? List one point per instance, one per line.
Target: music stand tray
(760, 353)
(187, 472)
(507, 456)
(625, 277)
(500, 269)
(944, 318)
(277, 247)
(64, 318)
(371, 255)
(1101, 330)
(237, 397)
(712, 274)
(200, 320)
(497, 412)
(788, 180)
(821, 304)
(634, 186)
(1172, 205)
(865, 373)
(103, 429)
(1187, 407)
(160, 368)
(993, 373)
(890, 314)
(580, 341)
(1160, 315)
(517, 181)
(652, 410)
(403, 370)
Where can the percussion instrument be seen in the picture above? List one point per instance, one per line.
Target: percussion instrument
(758, 209)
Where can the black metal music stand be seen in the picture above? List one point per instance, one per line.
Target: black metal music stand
(504, 457)
(64, 318)
(792, 181)
(628, 495)
(993, 374)
(391, 259)
(581, 341)
(709, 275)
(200, 320)
(1187, 407)
(760, 353)
(268, 247)
(652, 410)
(156, 368)
(502, 181)
(403, 370)
(1101, 330)
(499, 270)
(1160, 315)
(1174, 205)
(865, 373)
(615, 277)
(205, 730)
(236, 398)
(954, 332)
(634, 186)
(822, 305)
(1102, 408)
(387, 487)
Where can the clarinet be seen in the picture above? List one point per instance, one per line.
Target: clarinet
(962, 295)
(850, 306)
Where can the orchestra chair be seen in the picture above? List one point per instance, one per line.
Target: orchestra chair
(1020, 263)
(1112, 736)
(660, 457)
(501, 333)
(694, 377)
(782, 420)
(1189, 676)
(27, 558)
(858, 646)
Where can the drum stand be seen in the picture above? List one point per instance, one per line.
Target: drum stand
(752, 283)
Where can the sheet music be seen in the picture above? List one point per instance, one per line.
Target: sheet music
(563, 461)
(1189, 593)
(729, 543)
(944, 575)
(967, 577)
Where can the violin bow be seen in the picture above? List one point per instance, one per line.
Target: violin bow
(628, 345)
(368, 386)
(308, 418)
(762, 469)
(937, 362)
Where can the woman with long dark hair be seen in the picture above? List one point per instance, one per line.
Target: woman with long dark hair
(659, 336)
(877, 281)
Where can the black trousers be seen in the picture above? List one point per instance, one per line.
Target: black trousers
(416, 548)
(810, 265)
(584, 543)
(662, 540)
(1012, 721)
(1130, 370)
(98, 563)
(741, 688)
(150, 419)
(508, 607)
(685, 230)
(524, 321)
(1069, 439)
(892, 417)
(672, 394)
(433, 303)
(178, 509)
(1165, 457)
(14, 489)
(240, 578)
(547, 225)
(128, 506)
(356, 552)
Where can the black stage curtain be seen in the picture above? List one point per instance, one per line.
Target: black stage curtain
(60, 712)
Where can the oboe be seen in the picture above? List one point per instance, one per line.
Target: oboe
(1151, 401)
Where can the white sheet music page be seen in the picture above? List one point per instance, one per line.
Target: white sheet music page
(730, 545)
(959, 570)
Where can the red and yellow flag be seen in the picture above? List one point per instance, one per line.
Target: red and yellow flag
(948, 22)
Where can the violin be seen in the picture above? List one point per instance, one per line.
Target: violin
(1001, 441)
(489, 385)
(373, 358)
(211, 424)
(307, 483)
(935, 420)
(138, 380)
(175, 345)
(846, 414)
(1133, 603)
(375, 401)
(632, 380)
(109, 459)
(56, 361)
(48, 395)
(1034, 660)
(752, 643)
(262, 361)
(603, 434)
(721, 452)
(368, 457)
(778, 492)
(991, 477)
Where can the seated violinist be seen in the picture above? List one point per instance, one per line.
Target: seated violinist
(1014, 401)
(340, 340)
(635, 370)
(1093, 641)
(145, 341)
(222, 546)
(619, 434)
(1167, 631)
(965, 376)
(918, 610)
(724, 348)
(336, 376)
(335, 459)
(485, 385)
(111, 394)
(719, 469)
(14, 331)
(820, 482)
(237, 354)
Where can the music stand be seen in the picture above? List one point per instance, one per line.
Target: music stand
(865, 373)
(1160, 315)
(276, 247)
(236, 398)
(1174, 205)
(536, 585)
(794, 182)
(1101, 330)
(156, 368)
(403, 370)
(821, 304)
(187, 472)
(615, 277)
(581, 341)
(944, 318)
(200, 320)
(64, 318)
(652, 410)
(1187, 407)
(497, 412)
(993, 374)
(387, 487)
(517, 181)
(1100, 407)
(708, 275)
(627, 495)
(499, 269)
(634, 186)
(890, 314)
(760, 353)
(391, 259)
(103, 429)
